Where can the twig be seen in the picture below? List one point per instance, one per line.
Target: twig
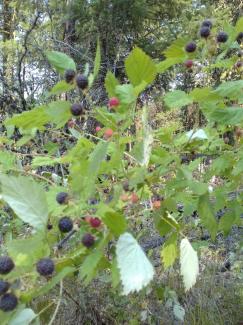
(58, 304)
(65, 239)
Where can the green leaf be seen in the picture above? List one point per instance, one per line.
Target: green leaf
(7, 160)
(166, 64)
(228, 115)
(44, 161)
(176, 50)
(126, 93)
(140, 67)
(230, 89)
(206, 214)
(189, 264)
(115, 221)
(110, 84)
(89, 266)
(24, 317)
(59, 112)
(60, 61)
(26, 198)
(36, 118)
(177, 99)
(169, 251)
(97, 60)
(136, 271)
(61, 87)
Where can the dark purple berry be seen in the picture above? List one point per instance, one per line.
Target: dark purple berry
(191, 47)
(6, 264)
(88, 240)
(69, 75)
(8, 302)
(125, 186)
(207, 23)
(45, 266)
(4, 286)
(239, 38)
(76, 109)
(62, 197)
(222, 37)
(49, 226)
(65, 224)
(82, 81)
(205, 32)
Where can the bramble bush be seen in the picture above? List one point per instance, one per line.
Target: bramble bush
(83, 222)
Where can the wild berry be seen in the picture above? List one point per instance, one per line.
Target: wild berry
(134, 198)
(6, 264)
(125, 185)
(156, 204)
(204, 31)
(124, 197)
(188, 64)
(222, 37)
(207, 23)
(76, 109)
(82, 81)
(191, 47)
(8, 302)
(239, 38)
(95, 222)
(97, 129)
(108, 133)
(4, 286)
(49, 226)
(113, 102)
(88, 240)
(238, 64)
(62, 197)
(69, 75)
(65, 224)
(45, 266)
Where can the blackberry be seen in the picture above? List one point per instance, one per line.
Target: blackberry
(69, 75)
(205, 32)
(6, 264)
(4, 286)
(125, 186)
(88, 240)
(62, 197)
(207, 23)
(82, 81)
(76, 109)
(65, 224)
(8, 302)
(45, 266)
(191, 47)
(239, 38)
(222, 37)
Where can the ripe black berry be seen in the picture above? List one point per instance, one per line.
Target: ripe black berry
(76, 109)
(6, 264)
(69, 75)
(240, 37)
(82, 81)
(191, 47)
(62, 197)
(88, 240)
(8, 302)
(207, 23)
(204, 31)
(4, 286)
(45, 266)
(65, 224)
(222, 37)
(125, 186)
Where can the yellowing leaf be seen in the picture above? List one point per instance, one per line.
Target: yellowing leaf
(169, 251)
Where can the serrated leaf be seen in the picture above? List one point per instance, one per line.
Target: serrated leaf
(179, 312)
(60, 61)
(126, 93)
(26, 198)
(136, 271)
(89, 266)
(115, 221)
(59, 112)
(169, 251)
(166, 64)
(61, 87)
(230, 89)
(140, 67)
(44, 161)
(97, 60)
(176, 49)
(177, 99)
(189, 264)
(206, 214)
(228, 115)
(110, 84)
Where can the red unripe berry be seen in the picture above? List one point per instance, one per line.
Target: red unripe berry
(95, 222)
(188, 63)
(71, 124)
(156, 204)
(97, 129)
(124, 197)
(108, 133)
(113, 102)
(134, 198)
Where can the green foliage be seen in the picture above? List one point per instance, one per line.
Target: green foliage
(60, 61)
